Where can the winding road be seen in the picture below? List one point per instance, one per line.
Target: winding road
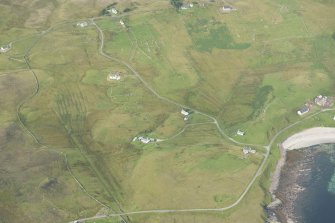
(215, 122)
(167, 100)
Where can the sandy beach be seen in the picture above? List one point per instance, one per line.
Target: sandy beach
(310, 137)
(306, 138)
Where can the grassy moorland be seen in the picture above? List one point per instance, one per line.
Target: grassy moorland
(66, 131)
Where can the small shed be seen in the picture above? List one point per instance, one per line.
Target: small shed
(187, 6)
(114, 76)
(240, 132)
(227, 8)
(184, 112)
(122, 23)
(145, 140)
(82, 24)
(4, 49)
(114, 11)
(248, 150)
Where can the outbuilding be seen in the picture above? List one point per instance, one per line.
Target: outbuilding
(114, 11)
(247, 150)
(227, 8)
(240, 133)
(114, 76)
(4, 49)
(187, 6)
(122, 23)
(82, 24)
(184, 112)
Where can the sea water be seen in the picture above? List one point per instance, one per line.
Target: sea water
(316, 204)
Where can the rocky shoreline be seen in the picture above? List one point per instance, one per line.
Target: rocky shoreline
(296, 170)
(292, 168)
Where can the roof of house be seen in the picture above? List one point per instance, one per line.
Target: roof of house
(304, 109)
(5, 48)
(187, 6)
(184, 112)
(227, 7)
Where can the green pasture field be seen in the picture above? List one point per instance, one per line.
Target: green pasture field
(67, 132)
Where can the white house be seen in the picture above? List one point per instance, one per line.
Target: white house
(82, 24)
(228, 8)
(187, 6)
(145, 140)
(240, 133)
(114, 11)
(4, 49)
(303, 110)
(184, 112)
(114, 76)
(122, 23)
(247, 150)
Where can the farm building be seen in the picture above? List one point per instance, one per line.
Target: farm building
(240, 133)
(187, 6)
(184, 112)
(303, 110)
(114, 11)
(114, 76)
(82, 24)
(228, 8)
(248, 150)
(122, 23)
(145, 140)
(4, 49)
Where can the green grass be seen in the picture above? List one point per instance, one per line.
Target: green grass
(34, 166)
(251, 69)
(96, 77)
(224, 163)
(216, 36)
(263, 95)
